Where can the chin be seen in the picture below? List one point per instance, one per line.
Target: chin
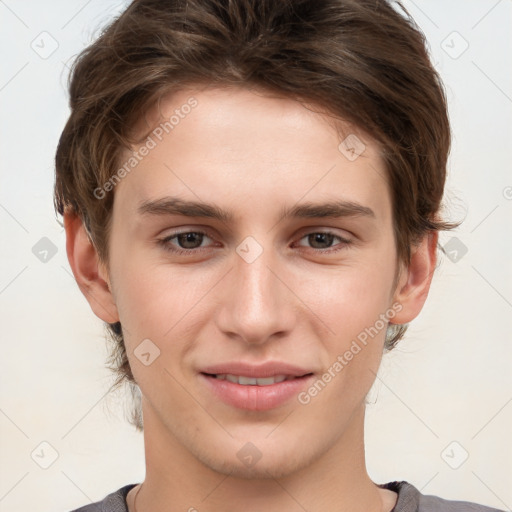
(260, 471)
(244, 460)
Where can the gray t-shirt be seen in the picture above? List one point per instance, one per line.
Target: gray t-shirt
(409, 500)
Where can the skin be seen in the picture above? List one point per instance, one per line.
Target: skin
(252, 153)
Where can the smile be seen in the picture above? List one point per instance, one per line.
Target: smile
(253, 381)
(255, 393)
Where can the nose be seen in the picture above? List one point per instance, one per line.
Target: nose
(255, 303)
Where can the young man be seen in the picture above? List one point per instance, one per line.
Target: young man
(251, 196)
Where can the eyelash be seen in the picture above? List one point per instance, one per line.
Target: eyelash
(165, 242)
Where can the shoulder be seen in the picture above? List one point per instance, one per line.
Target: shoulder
(430, 503)
(114, 502)
(410, 499)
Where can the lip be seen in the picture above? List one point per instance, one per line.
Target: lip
(254, 397)
(267, 369)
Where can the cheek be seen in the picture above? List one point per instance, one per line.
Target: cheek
(351, 305)
(156, 300)
(141, 297)
(150, 304)
(353, 302)
(348, 299)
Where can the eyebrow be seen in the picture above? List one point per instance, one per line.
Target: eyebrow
(334, 209)
(176, 206)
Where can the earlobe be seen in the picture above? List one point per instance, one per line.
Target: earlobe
(90, 274)
(414, 285)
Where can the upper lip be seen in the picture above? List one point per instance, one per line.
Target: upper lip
(267, 369)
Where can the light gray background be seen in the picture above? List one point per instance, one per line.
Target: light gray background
(449, 380)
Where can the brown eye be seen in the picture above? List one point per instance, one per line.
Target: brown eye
(324, 241)
(185, 242)
(320, 240)
(190, 240)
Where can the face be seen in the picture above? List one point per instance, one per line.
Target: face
(247, 241)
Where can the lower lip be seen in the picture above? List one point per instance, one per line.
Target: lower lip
(256, 398)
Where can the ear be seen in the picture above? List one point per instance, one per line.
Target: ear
(90, 274)
(414, 283)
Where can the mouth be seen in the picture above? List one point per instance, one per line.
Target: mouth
(254, 381)
(255, 393)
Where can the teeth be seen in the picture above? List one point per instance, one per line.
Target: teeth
(252, 381)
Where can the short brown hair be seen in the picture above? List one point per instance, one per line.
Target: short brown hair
(360, 60)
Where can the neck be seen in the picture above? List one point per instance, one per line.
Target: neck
(336, 481)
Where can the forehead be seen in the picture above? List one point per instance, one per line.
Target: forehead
(232, 143)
